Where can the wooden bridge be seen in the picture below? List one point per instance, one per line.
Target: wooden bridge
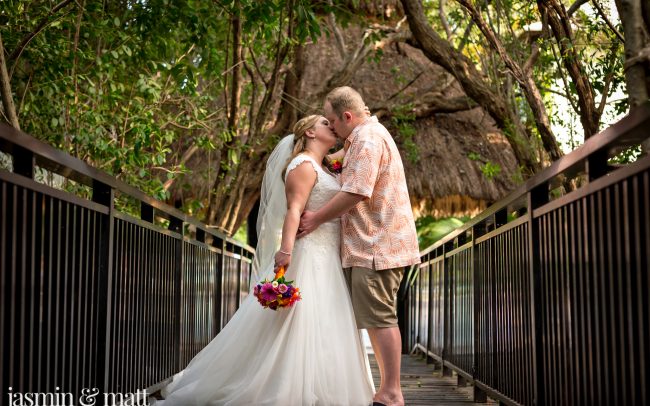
(541, 299)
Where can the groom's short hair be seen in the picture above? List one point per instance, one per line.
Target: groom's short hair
(345, 98)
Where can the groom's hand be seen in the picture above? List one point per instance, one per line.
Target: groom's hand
(308, 223)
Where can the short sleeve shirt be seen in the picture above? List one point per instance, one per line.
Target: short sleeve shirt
(379, 232)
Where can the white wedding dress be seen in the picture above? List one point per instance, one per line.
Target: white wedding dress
(310, 354)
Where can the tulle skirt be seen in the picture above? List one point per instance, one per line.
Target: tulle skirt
(310, 354)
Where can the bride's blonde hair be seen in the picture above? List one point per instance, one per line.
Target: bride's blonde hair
(299, 137)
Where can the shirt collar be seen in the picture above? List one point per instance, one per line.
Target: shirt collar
(355, 130)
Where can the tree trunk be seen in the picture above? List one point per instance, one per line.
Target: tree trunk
(5, 89)
(235, 97)
(637, 63)
(635, 17)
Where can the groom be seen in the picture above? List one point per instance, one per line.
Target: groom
(378, 231)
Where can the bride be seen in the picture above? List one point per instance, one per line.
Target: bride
(311, 353)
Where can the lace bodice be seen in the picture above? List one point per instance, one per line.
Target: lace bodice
(326, 185)
(327, 234)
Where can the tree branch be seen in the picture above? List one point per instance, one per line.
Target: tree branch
(575, 6)
(611, 26)
(5, 89)
(39, 27)
(257, 67)
(237, 62)
(528, 86)
(340, 42)
(443, 19)
(560, 25)
(354, 60)
(397, 93)
(434, 105)
(608, 82)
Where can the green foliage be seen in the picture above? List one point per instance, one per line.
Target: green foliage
(430, 229)
(403, 119)
(490, 170)
(142, 77)
(626, 156)
(144, 80)
(242, 233)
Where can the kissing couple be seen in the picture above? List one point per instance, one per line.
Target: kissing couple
(345, 241)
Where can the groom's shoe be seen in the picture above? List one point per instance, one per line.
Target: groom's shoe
(378, 404)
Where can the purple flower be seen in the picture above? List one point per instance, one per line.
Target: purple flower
(256, 290)
(268, 293)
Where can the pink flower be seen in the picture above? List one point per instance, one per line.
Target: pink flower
(282, 288)
(256, 290)
(268, 293)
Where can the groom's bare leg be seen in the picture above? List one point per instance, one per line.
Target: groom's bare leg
(380, 360)
(387, 345)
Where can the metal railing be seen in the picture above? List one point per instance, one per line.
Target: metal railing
(543, 299)
(95, 298)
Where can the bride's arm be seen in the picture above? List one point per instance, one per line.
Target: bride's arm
(300, 182)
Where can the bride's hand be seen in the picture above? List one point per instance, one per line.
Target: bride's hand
(282, 259)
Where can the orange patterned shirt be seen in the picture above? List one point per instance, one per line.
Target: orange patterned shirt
(378, 229)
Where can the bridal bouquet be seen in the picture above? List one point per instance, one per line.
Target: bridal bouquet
(334, 165)
(277, 293)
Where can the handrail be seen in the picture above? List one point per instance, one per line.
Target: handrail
(549, 306)
(629, 131)
(96, 299)
(15, 142)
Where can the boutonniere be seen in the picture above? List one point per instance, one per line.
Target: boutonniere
(335, 165)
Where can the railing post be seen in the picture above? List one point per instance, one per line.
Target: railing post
(218, 311)
(537, 197)
(478, 230)
(448, 328)
(403, 311)
(23, 162)
(429, 269)
(239, 276)
(176, 225)
(146, 212)
(104, 194)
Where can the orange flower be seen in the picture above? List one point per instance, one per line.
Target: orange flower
(279, 273)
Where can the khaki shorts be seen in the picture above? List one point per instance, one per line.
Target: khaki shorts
(373, 295)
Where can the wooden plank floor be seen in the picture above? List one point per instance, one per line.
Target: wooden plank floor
(422, 385)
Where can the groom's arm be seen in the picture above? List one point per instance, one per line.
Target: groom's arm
(340, 204)
(337, 155)
(360, 176)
